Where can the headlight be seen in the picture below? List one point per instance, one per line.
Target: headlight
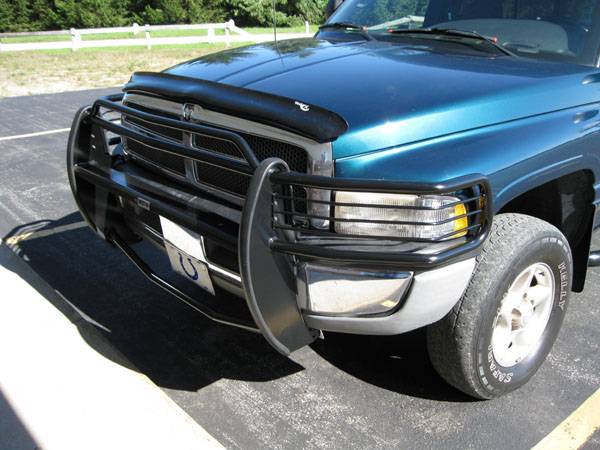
(409, 216)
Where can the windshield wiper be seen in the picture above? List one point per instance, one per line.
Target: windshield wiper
(456, 33)
(348, 26)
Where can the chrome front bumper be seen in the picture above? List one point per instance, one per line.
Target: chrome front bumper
(429, 296)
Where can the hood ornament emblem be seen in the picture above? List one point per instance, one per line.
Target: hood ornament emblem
(187, 111)
(303, 106)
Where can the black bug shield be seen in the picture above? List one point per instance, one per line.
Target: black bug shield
(268, 276)
(320, 125)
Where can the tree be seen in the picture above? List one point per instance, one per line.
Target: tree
(5, 15)
(14, 15)
(287, 12)
(311, 10)
(257, 12)
(33, 15)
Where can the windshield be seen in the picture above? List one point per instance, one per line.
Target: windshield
(562, 30)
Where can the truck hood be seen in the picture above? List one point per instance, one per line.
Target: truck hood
(393, 94)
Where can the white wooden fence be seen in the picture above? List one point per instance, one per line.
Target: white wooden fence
(232, 33)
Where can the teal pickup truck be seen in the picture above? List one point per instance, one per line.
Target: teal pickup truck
(416, 163)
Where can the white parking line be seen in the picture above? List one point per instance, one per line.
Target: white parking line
(30, 135)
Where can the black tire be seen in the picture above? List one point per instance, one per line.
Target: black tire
(460, 344)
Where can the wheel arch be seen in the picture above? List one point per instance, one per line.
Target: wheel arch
(567, 202)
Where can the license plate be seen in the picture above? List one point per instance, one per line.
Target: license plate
(186, 254)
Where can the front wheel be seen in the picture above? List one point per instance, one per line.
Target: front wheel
(500, 332)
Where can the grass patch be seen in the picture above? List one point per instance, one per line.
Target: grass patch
(25, 73)
(44, 71)
(27, 39)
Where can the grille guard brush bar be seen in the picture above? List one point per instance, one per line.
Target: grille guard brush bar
(479, 215)
(477, 232)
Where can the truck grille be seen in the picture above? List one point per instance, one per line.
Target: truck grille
(217, 177)
(264, 148)
(162, 159)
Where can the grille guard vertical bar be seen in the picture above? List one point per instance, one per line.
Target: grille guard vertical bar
(74, 157)
(267, 276)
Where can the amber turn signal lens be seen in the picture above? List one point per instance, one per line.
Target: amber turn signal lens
(461, 224)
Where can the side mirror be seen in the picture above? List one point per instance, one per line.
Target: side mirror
(332, 5)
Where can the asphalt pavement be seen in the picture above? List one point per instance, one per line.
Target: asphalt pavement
(341, 392)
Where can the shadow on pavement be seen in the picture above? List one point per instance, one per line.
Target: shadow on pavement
(175, 346)
(396, 363)
(172, 344)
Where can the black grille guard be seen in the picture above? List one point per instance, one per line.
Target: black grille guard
(268, 244)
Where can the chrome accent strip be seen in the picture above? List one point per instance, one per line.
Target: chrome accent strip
(154, 103)
(221, 270)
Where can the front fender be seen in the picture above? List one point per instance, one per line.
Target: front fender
(515, 157)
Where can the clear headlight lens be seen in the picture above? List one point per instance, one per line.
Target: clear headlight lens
(422, 217)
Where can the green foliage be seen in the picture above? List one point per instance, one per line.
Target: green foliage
(311, 10)
(34, 15)
(259, 11)
(90, 13)
(14, 14)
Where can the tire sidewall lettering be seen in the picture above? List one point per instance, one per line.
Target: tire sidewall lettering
(564, 285)
(494, 377)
